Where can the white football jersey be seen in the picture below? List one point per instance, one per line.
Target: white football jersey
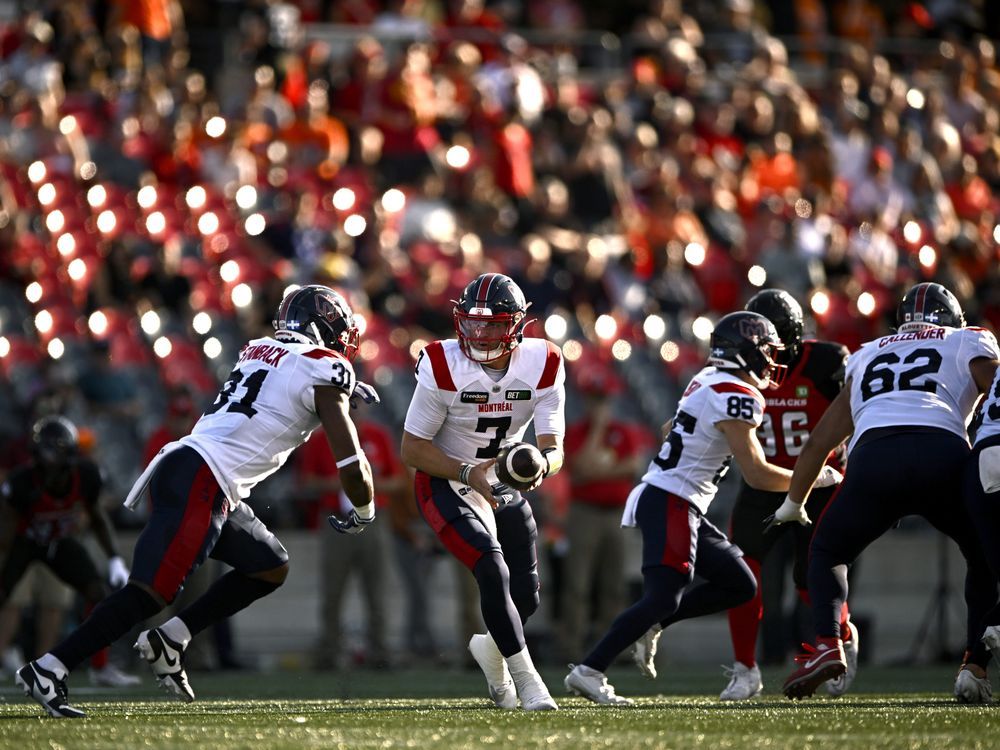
(917, 377)
(265, 410)
(696, 455)
(991, 411)
(460, 408)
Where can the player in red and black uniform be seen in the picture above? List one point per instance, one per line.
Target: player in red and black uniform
(44, 505)
(815, 377)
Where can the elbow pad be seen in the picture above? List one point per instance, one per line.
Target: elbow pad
(553, 461)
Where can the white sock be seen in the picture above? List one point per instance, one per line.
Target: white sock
(520, 662)
(176, 630)
(499, 674)
(52, 664)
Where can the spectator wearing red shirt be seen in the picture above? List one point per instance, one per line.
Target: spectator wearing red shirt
(348, 556)
(603, 454)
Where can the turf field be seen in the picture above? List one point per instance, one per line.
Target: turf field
(891, 708)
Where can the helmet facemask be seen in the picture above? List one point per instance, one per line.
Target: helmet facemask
(485, 337)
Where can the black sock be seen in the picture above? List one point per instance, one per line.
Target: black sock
(112, 618)
(227, 596)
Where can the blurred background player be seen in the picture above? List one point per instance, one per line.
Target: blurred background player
(604, 454)
(906, 402)
(281, 389)
(46, 504)
(474, 395)
(716, 421)
(814, 378)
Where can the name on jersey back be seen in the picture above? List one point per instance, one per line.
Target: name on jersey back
(929, 333)
(269, 355)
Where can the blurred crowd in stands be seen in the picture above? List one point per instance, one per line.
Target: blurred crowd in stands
(168, 169)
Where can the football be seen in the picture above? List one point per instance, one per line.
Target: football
(519, 465)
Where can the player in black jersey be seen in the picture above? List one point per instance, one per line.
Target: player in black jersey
(815, 377)
(44, 505)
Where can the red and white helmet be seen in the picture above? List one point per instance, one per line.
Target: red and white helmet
(490, 317)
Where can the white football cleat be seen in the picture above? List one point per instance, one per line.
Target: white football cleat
(745, 682)
(166, 659)
(991, 639)
(839, 685)
(644, 651)
(530, 687)
(111, 676)
(593, 685)
(971, 687)
(498, 679)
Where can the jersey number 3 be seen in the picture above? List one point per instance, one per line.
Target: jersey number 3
(252, 391)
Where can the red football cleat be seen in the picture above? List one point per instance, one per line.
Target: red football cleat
(818, 664)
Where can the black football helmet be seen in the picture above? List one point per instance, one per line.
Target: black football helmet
(931, 304)
(747, 341)
(785, 313)
(318, 315)
(490, 317)
(54, 441)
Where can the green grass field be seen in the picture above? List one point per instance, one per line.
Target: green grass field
(890, 708)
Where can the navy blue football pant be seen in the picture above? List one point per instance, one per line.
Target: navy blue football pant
(677, 542)
(984, 509)
(891, 474)
(505, 565)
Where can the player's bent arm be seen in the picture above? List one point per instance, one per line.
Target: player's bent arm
(551, 447)
(333, 409)
(749, 454)
(983, 370)
(423, 455)
(835, 426)
(101, 525)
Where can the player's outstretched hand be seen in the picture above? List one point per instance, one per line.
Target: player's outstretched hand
(366, 393)
(788, 511)
(828, 477)
(354, 524)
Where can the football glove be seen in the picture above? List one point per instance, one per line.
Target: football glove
(354, 524)
(117, 572)
(828, 477)
(788, 511)
(366, 393)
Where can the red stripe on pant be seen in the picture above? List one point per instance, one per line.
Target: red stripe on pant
(190, 536)
(450, 538)
(677, 550)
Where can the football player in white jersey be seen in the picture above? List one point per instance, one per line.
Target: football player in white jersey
(906, 402)
(474, 395)
(281, 389)
(716, 421)
(982, 498)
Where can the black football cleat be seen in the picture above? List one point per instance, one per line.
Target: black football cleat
(166, 659)
(48, 690)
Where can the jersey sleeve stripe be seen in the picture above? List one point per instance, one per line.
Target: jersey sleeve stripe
(439, 366)
(737, 388)
(551, 369)
(322, 354)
